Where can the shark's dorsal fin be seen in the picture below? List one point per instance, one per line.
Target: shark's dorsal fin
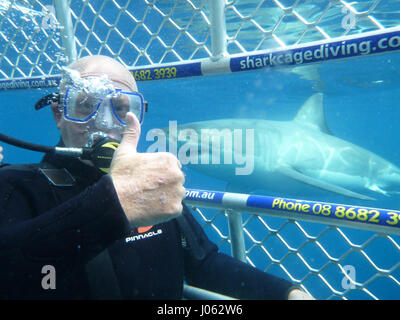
(312, 114)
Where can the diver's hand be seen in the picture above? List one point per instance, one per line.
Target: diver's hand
(149, 185)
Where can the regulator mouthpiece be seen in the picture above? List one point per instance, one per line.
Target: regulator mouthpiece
(102, 153)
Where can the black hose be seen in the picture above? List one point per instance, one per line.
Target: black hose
(26, 145)
(100, 152)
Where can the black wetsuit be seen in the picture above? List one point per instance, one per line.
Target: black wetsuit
(67, 226)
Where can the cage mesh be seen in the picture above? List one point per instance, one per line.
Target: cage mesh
(145, 33)
(327, 261)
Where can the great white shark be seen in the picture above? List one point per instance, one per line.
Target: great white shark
(289, 157)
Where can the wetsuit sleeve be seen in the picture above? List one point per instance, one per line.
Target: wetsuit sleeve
(88, 222)
(224, 274)
(64, 236)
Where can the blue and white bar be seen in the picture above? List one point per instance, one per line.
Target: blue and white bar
(347, 47)
(43, 82)
(366, 218)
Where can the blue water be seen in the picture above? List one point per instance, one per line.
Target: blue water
(361, 105)
(360, 99)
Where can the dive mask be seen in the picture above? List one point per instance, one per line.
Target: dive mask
(80, 105)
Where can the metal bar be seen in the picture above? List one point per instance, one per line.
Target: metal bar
(365, 218)
(194, 293)
(63, 12)
(236, 235)
(218, 28)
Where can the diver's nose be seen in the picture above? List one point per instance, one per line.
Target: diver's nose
(108, 125)
(104, 119)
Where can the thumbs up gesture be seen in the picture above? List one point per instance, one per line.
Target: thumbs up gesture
(149, 185)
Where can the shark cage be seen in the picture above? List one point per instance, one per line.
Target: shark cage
(331, 250)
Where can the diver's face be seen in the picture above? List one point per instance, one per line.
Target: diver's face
(103, 124)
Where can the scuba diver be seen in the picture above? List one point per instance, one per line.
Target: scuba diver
(109, 221)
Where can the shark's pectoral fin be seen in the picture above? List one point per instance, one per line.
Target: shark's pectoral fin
(379, 190)
(294, 174)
